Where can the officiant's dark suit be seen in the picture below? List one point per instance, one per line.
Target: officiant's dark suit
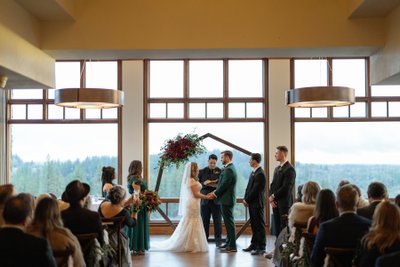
(281, 189)
(255, 199)
(210, 206)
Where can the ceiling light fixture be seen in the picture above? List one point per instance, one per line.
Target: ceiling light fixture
(85, 98)
(320, 96)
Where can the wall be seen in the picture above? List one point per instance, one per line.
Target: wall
(385, 65)
(3, 157)
(132, 115)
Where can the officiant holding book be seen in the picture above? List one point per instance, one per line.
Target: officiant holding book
(209, 177)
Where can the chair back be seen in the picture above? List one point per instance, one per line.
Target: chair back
(116, 223)
(62, 256)
(335, 253)
(87, 242)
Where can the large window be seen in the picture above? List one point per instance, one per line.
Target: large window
(357, 143)
(223, 97)
(51, 145)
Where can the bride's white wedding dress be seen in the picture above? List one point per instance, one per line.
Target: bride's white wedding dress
(189, 235)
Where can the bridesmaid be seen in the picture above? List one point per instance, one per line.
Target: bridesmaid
(139, 234)
(107, 177)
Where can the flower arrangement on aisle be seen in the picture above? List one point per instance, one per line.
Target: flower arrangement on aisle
(179, 149)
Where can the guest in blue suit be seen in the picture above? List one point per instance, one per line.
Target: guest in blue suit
(344, 231)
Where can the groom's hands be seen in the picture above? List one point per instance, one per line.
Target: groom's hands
(211, 195)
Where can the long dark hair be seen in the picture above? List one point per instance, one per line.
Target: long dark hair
(108, 175)
(325, 207)
(135, 169)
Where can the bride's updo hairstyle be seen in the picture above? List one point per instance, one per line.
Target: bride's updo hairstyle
(194, 169)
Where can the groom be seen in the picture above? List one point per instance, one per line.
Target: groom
(225, 195)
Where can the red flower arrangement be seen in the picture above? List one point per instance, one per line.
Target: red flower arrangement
(179, 149)
(150, 200)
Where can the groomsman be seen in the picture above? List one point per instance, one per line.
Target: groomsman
(208, 177)
(254, 199)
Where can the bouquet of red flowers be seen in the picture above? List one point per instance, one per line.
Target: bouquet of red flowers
(179, 149)
(150, 200)
(136, 205)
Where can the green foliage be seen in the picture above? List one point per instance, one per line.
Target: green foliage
(329, 175)
(52, 176)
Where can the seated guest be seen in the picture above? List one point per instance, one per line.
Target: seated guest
(344, 231)
(397, 200)
(6, 191)
(47, 224)
(388, 260)
(300, 212)
(107, 176)
(16, 247)
(376, 193)
(299, 194)
(325, 209)
(383, 237)
(361, 201)
(115, 208)
(63, 203)
(28, 198)
(78, 219)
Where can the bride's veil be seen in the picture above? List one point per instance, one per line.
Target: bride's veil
(186, 192)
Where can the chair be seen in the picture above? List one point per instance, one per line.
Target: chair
(335, 252)
(116, 223)
(87, 242)
(62, 256)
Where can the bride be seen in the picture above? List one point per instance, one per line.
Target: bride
(189, 235)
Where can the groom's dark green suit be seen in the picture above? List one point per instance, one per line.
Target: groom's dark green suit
(225, 194)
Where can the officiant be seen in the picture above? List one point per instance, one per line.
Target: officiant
(208, 177)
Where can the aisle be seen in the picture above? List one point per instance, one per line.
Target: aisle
(212, 259)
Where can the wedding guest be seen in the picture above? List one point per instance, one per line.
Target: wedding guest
(30, 199)
(6, 191)
(397, 200)
(280, 192)
(299, 194)
(78, 219)
(343, 231)
(302, 211)
(107, 177)
(63, 202)
(362, 202)
(47, 224)
(325, 210)
(114, 207)
(16, 247)
(208, 177)
(377, 193)
(383, 237)
(254, 199)
(139, 240)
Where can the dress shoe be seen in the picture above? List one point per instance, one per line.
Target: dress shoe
(269, 255)
(257, 252)
(250, 248)
(228, 250)
(223, 245)
(218, 244)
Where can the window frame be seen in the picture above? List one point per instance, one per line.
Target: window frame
(45, 101)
